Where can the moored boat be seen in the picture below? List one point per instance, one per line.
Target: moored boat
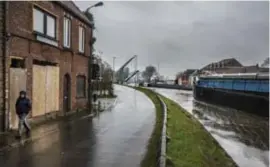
(244, 91)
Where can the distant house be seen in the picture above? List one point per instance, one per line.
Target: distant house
(231, 66)
(243, 69)
(232, 62)
(183, 79)
(193, 77)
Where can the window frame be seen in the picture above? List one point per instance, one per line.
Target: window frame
(69, 29)
(81, 40)
(45, 14)
(77, 86)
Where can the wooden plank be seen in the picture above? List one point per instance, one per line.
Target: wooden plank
(52, 89)
(39, 90)
(17, 83)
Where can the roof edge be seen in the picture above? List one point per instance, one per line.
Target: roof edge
(91, 25)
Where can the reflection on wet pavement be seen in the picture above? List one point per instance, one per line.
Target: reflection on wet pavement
(114, 138)
(245, 137)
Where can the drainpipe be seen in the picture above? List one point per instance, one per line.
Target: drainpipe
(90, 58)
(5, 70)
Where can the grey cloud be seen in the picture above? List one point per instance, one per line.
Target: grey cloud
(180, 35)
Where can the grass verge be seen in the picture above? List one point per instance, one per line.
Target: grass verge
(150, 158)
(190, 144)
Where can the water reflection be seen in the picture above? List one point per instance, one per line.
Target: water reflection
(68, 144)
(249, 129)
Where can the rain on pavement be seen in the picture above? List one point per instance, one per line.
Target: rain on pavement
(244, 137)
(114, 138)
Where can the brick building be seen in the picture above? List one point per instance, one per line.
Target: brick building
(46, 47)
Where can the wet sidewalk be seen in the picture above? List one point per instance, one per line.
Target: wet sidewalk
(47, 125)
(117, 137)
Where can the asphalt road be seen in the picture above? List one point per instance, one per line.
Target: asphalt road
(114, 138)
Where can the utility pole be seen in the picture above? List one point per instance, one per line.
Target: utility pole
(158, 68)
(136, 68)
(113, 69)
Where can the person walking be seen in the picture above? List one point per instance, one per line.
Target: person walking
(23, 107)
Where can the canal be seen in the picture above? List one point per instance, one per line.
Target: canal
(243, 136)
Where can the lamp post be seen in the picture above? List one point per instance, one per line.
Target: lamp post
(90, 59)
(95, 5)
(136, 68)
(113, 74)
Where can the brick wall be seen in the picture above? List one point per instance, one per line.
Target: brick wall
(2, 79)
(23, 44)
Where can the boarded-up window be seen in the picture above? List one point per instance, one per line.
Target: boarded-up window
(81, 87)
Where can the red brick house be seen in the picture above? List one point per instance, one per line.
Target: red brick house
(46, 51)
(183, 79)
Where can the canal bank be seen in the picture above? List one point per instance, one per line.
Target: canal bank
(189, 144)
(243, 136)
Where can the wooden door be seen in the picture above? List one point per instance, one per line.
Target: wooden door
(66, 93)
(17, 78)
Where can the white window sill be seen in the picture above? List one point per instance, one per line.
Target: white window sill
(46, 40)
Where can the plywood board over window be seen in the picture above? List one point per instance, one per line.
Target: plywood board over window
(17, 78)
(52, 89)
(45, 89)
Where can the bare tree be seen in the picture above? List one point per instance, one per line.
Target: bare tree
(149, 72)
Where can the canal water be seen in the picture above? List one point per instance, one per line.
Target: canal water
(243, 136)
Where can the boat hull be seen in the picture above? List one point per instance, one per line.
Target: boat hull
(252, 102)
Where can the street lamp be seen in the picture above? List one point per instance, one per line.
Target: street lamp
(90, 59)
(95, 5)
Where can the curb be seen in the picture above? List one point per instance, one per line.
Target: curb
(162, 157)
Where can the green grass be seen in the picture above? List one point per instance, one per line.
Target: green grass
(190, 144)
(150, 158)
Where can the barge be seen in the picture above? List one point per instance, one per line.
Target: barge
(248, 92)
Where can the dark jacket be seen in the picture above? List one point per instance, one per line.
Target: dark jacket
(23, 106)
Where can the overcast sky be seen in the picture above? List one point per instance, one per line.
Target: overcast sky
(181, 35)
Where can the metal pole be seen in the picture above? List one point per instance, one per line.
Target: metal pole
(89, 79)
(158, 68)
(90, 91)
(113, 69)
(136, 68)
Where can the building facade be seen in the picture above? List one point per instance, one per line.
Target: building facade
(184, 79)
(231, 62)
(48, 47)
